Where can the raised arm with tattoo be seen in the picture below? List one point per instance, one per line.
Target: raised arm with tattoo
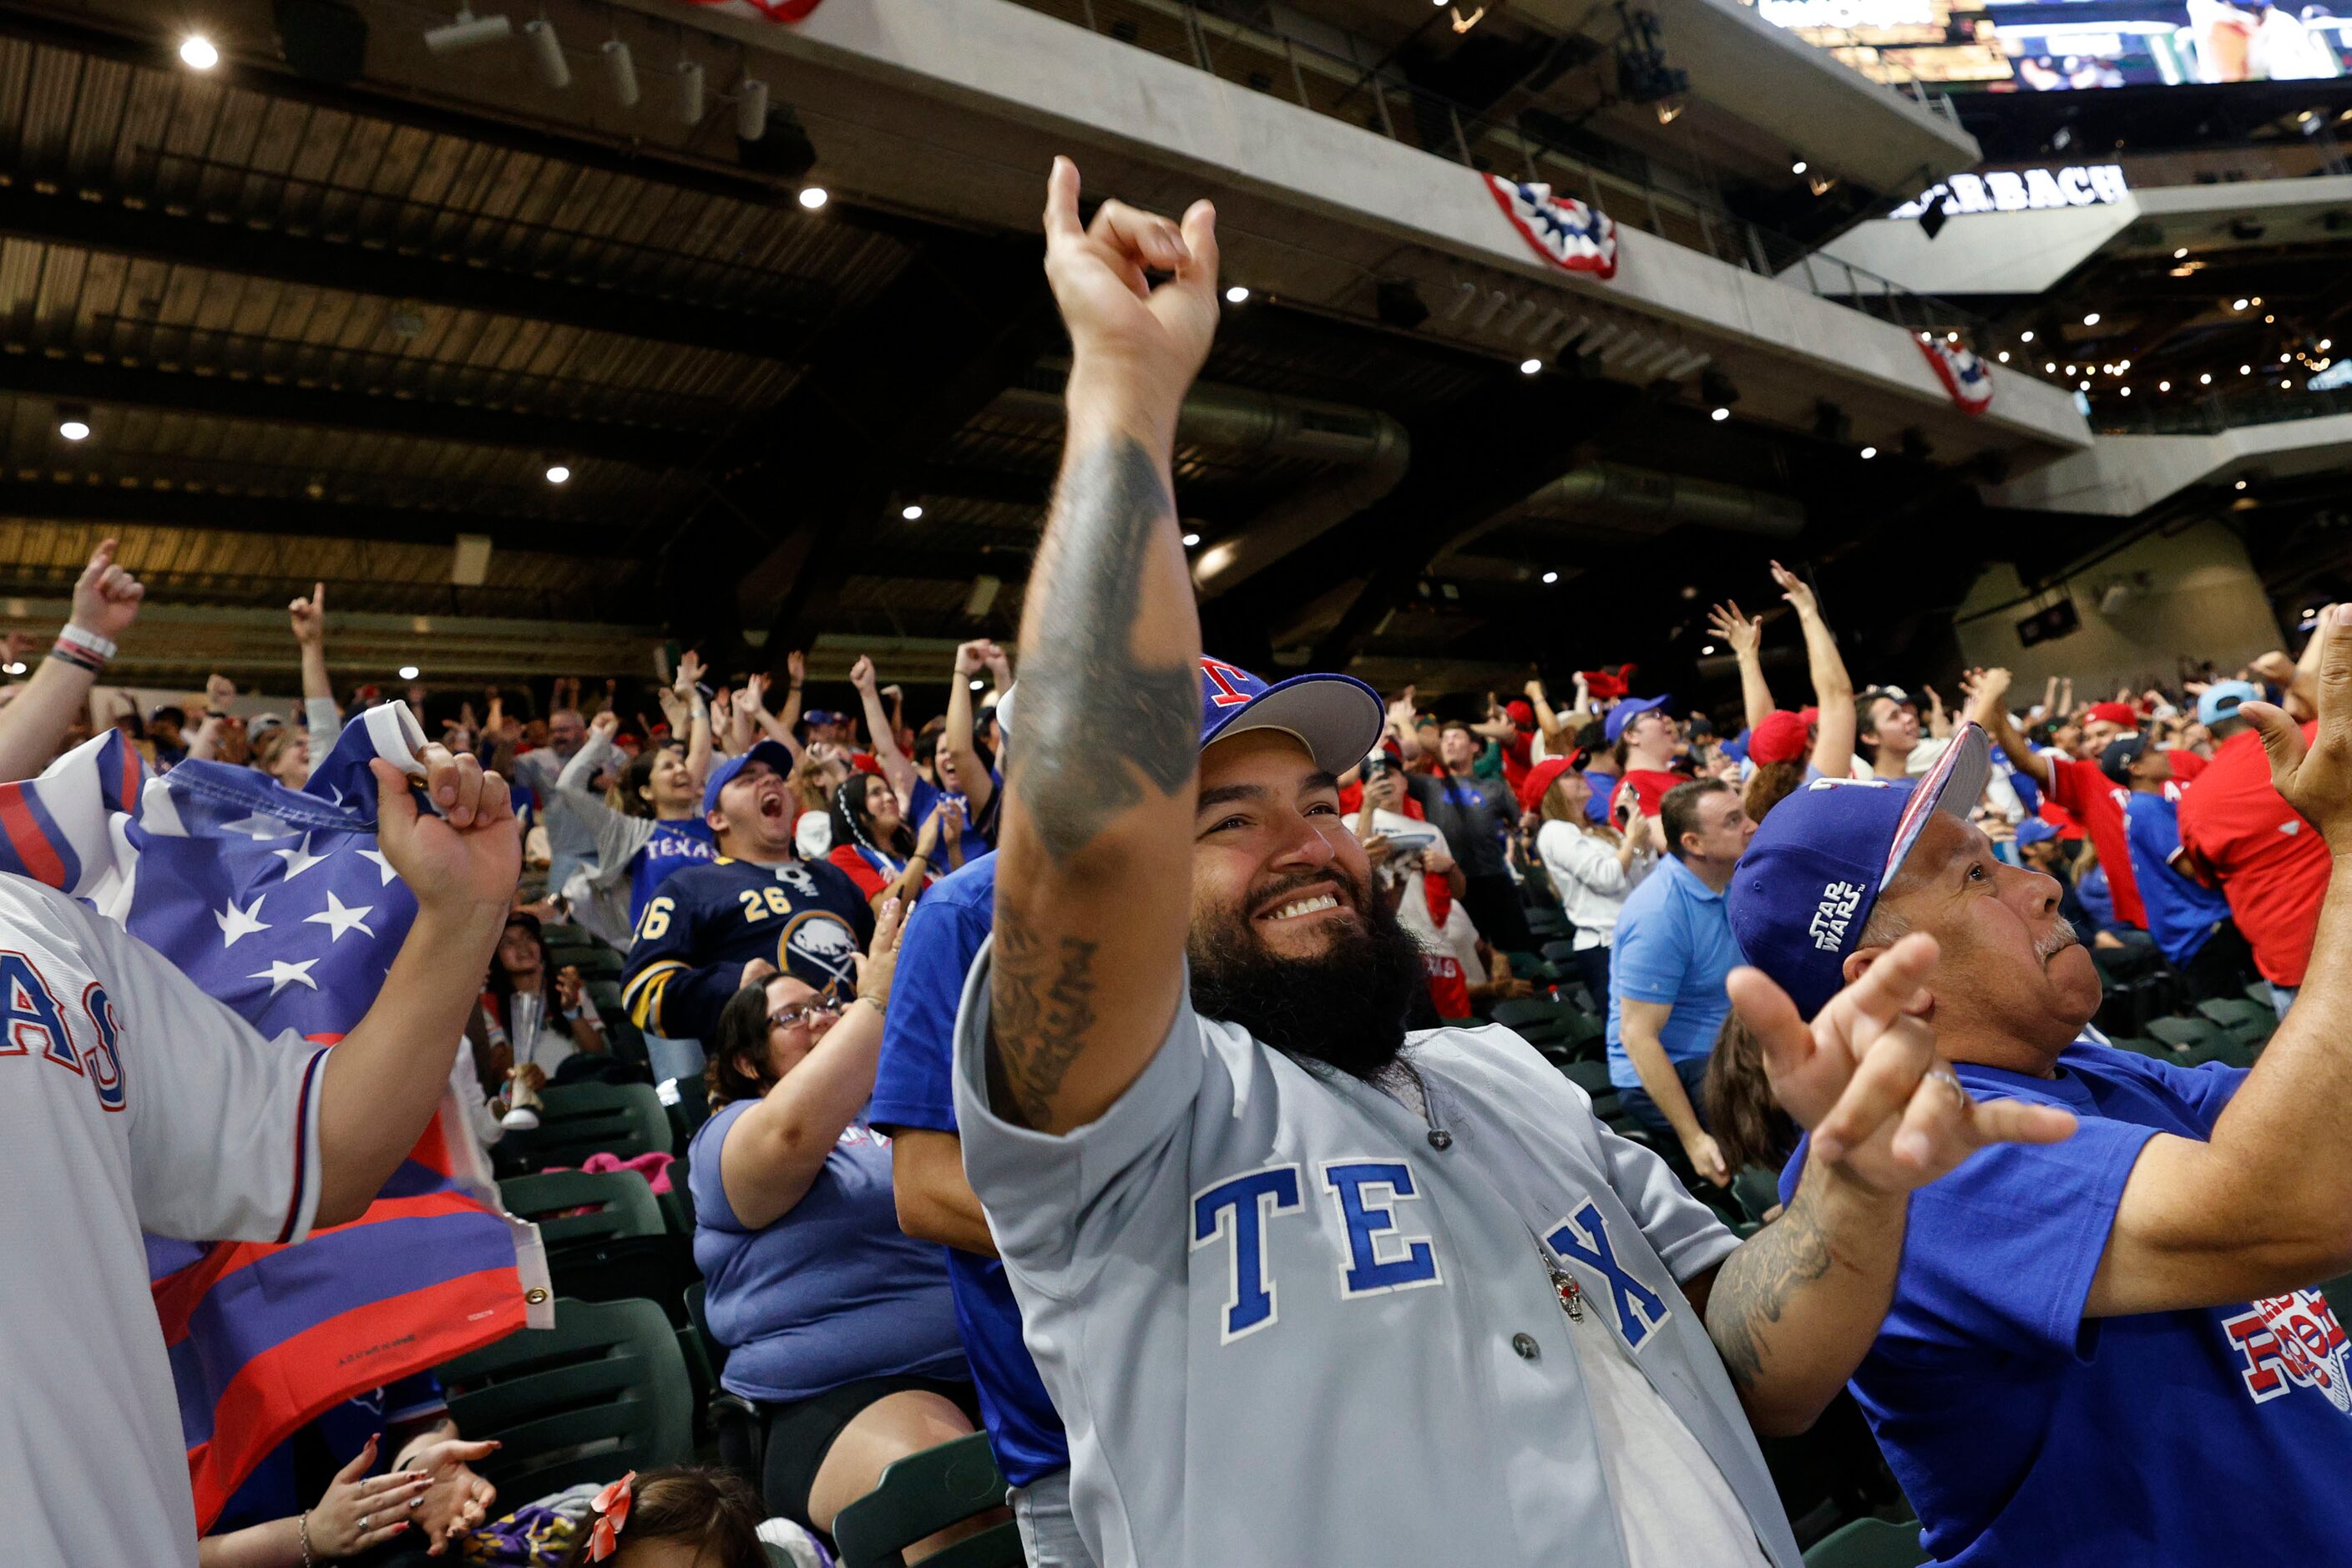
(1094, 889)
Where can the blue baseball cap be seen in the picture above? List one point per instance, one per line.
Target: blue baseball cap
(1801, 894)
(1337, 717)
(2034, 830)
(2222, 699)
(724, 773)
(1625, 712)
(816, 716)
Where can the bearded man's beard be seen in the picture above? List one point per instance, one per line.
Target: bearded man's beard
(1346, 1007)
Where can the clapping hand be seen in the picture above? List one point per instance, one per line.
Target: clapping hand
(456, 1499)
(359, 1511)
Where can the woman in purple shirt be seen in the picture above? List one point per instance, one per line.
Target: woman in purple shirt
(838, 1326)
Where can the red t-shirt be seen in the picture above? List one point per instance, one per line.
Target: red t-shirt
(1518, 753)
(2187, 765)
(2098, 802)
(2273, 864)
(1648, 784)
(1449, 988)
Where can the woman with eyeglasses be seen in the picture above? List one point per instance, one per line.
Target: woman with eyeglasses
(838, 1325)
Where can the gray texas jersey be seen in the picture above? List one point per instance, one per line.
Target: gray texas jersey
(1289, 1322)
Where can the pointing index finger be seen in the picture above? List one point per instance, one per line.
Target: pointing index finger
(1887, 985)
(1061, 201)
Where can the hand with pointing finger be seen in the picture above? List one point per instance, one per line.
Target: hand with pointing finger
(1887, 1112)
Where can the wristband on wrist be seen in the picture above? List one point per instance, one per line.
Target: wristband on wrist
(78, 657)
(103, 648)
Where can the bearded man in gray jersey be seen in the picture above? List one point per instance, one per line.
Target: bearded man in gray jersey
(1306, 1288)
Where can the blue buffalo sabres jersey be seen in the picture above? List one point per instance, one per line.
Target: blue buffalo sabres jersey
(706, 923)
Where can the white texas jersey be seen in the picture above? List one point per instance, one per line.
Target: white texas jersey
(1288, 1320)
(129, 1100)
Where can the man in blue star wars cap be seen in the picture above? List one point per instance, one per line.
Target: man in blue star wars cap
(2065, 1313)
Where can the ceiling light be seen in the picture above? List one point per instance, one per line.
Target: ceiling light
(2180, 253)
(547, 52)
(1719, 415)
(557, 473)
(2091, 319)
(2205, 380)
(2126, 392)
(15, 667)
(1236, 295)
(2004, 356)
(911, 512)
(467, 32)
(1550, 577)
(2285, 358)
(2071, 370)
(2164, 386)
(2050, 367)
(2270, 321)
(2240, 485)
(2326, 344)
(408, 672)
(2025, 337)
(2245, 369)
(2258, 299)
(197, 53)
(2085, 386)
(1798, 167)
(73, 424)
(1529, 366)
(1705, 649)
(1951, 337)
(2285, 384)
(1868, 453)
(814, 196)
(1191, 540)
(2237, 304)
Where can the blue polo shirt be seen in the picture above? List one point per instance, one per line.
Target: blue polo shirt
(2025, 1433)
(1673, 945)
(2181, 911)
(913, 1087)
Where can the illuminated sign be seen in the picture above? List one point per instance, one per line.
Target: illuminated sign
(2021, 189)
(2329, 380)
(1846, 15)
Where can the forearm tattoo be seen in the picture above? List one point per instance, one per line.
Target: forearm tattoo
(1097, 723)
(1041, 1006)
(1753, 1287)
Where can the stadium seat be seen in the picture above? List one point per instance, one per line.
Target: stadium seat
(2184, 1033)
(577, 1119)
(1546, 922)
(625, 1206)
(2252, 1022)
(602, 1392)
(2259, 990)
(1561, 1032)
(2142, 1046)
(1869, 1544)
(921, 1495)
(1756, 1189)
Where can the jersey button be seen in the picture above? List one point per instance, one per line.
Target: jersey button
(1527, 1347)
(1439, 1137)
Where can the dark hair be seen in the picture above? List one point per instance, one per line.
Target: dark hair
(1747, 1123)
(638, 777)
(2227, 725)
(501, 985)
(1772, 784)
(926, 739)
(1678, 813)
(853, 823)
(742, 1031)
(713, 1510)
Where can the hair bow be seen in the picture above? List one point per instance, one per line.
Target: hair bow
(612, 1506)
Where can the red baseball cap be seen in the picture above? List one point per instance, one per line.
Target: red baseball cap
(1522, 712)
(2113, 713)
(1779, 738)
(1542, 776)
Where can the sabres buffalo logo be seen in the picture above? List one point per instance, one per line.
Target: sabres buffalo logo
(819, 947)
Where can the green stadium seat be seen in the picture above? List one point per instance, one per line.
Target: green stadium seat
(602, 1392)
(921, 1495)
(2185, 1034)
(2259, 990)
(1758, 1190)
(577, 1119)
(1869, 1544)
(2248, 1020)
(623, 1206)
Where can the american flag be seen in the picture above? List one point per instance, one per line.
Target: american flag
(279, 903)
(1565, 232)
(1967, 378)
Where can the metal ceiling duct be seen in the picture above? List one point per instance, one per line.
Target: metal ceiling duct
(1668, 497)
(1238, 419)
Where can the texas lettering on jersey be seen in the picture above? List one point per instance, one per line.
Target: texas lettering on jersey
(34, 1022)
(2288, 1342)
(1242, 1216)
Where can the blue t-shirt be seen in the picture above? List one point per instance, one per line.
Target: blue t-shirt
(914, 1087)
(2181, 911)
(1673, 945)
(2025, 1433)
(833, 1291)
(295, 1475)
(925, 799)
(675, 846)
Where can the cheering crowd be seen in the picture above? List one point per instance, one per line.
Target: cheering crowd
(1122, 1063)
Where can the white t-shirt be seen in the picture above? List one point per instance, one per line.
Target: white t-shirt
(156, 1108)
(1673, 1503)
(1590, 881)
(1458, 938)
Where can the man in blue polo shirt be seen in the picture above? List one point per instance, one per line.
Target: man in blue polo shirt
(2108, 1350)
(1673, 949)
(2190, 921)
(914, 1102)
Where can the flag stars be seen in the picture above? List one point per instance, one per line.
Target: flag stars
(339, 916)
(235, 923)
(259, 825)
(382, 866)
(299, 859)
(282, 974)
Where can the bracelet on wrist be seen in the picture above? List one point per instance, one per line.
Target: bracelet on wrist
(78, 655)
(103, 649)
(302, 1531)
